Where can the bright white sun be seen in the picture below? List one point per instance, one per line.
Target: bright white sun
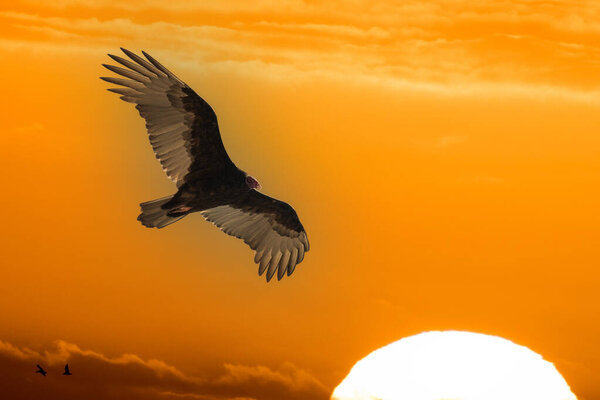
(453, 366)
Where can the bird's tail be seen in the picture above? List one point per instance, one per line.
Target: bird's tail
(155, 216)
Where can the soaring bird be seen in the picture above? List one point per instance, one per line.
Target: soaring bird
(185, 137)
(67, 372)
(40, 370)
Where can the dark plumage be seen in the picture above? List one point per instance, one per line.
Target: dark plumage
(184, 135)
(40, 370)
(67, 372)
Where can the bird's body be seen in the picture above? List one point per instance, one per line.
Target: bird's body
(185, 137)
(67, 371)
(40, 370)
(202, 191)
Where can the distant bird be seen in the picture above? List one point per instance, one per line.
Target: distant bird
(40, 370)
(67, 372)
(185, 138)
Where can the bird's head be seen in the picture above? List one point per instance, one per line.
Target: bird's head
(252, 183)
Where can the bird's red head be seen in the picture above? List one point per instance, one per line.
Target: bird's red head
(252, 183)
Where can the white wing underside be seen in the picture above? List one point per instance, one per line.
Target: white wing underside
(158, 95)
(278, 249)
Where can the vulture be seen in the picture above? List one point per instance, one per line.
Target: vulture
(184, 134)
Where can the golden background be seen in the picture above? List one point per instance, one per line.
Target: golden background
(443, 157)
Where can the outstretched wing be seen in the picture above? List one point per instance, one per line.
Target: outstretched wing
(182, 126)
(269, 226)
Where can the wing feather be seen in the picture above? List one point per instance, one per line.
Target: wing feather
(142, 62)
(133, 66)
(128, 73)
(293, 261)
(274, 264)
(283, 264)
(183, 128)
(268, 226)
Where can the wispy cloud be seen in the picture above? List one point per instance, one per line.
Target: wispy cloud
(450, 47)
(287, 376)
(97, 375)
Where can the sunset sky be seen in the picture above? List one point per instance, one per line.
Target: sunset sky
(443, 156)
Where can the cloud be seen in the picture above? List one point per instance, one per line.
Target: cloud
(7, 349)
(183, 6)
(452, 47)
(288, 376)
(97, 376)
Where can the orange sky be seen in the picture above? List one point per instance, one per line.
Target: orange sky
(442, 156)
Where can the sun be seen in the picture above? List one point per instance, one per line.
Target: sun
(453, 365)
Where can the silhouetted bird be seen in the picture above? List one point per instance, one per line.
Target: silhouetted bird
(185, 138)
(40, 370)
(67, 372)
